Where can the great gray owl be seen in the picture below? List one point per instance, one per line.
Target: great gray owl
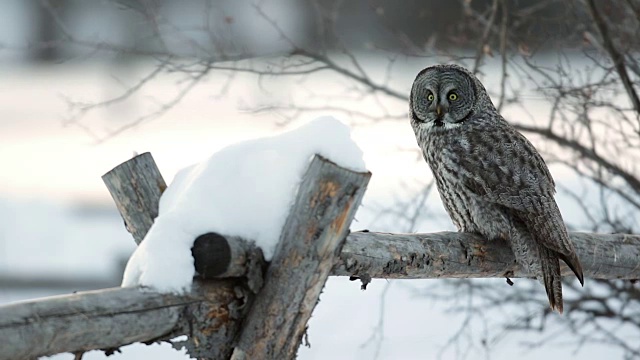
(491, 179)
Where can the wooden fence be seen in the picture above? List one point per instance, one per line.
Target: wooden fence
(240, 307)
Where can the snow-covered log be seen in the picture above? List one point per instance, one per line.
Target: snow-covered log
(211, 313)
(136, 186)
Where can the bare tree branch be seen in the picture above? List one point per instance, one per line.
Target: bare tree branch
(616, 57)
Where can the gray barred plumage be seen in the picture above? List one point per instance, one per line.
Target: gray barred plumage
(491, 179)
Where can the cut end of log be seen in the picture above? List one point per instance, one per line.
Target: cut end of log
(138, 159)
(211, 254)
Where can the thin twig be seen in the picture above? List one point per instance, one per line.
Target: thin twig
(616, 57)
(485, 37)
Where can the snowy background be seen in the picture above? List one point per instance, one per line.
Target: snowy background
(60, 232)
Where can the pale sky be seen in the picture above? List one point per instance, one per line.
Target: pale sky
(43, 158)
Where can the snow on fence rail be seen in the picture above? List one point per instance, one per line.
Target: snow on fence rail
(240, 317)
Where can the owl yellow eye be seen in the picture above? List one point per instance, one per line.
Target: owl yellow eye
(453, 96)
(430, 97)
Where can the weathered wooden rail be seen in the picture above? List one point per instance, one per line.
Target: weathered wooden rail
(245, 317)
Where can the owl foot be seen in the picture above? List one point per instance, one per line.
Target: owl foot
(508, 276)
(365, 279)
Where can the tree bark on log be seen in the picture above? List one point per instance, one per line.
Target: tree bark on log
(312, 236)
(463, 255)
(136, 186)
(110, 318)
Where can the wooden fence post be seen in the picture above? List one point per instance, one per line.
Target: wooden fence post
(136, 186)
(313, 234)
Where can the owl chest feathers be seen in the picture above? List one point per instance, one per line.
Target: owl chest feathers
(459, 160)
(442, 155)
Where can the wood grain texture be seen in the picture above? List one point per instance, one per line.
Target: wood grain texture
(111, 318)
(136, 186)
(462, 255)
(312, 236)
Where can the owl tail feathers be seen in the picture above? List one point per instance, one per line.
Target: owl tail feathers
(574, 264)
(552, 278)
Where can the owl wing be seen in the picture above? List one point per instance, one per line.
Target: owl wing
(514, 175)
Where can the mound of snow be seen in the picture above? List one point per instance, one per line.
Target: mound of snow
(245, 190)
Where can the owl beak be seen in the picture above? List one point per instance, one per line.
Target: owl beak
(439, 110)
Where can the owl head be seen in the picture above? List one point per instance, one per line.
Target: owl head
(445, 96)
